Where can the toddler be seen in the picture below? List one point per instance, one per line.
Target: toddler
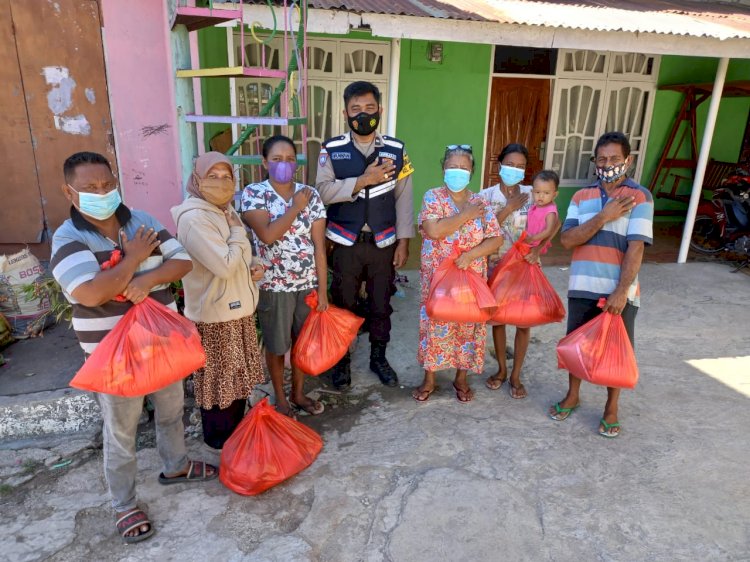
(542, 219)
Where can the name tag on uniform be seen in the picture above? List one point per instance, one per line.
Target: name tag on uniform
(235, 305)
(388, 155)
(341, 156)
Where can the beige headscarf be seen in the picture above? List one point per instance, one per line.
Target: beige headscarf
(202, 165)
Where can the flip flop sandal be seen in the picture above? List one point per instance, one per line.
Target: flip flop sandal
(488, 382)
(608, 427)
(562, 414)
(317, 409)
(467, 393)
(134, 519)
(192, 475)
(516, 389)
(416, 393)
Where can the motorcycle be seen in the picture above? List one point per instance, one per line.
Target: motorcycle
(723, 222)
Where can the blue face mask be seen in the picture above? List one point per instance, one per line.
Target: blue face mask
(456, 179)
(511, 175)
(96, 206)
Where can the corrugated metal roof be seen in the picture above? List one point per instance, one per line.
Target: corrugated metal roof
(675, 17)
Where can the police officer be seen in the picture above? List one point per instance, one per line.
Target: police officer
(365, 180)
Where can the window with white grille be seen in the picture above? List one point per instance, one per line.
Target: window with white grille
(332, 65)
(596, 92)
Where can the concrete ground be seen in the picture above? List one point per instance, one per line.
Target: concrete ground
(495, 479)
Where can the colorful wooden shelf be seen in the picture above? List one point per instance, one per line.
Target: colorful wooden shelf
(199, 18)
(231, 72)
(244, 119)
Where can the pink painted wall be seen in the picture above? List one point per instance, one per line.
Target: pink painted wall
(141, 84)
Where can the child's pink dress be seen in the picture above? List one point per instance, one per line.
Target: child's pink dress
(537, 221)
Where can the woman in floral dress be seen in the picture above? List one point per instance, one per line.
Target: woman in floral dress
(289, 221)
(453, 214)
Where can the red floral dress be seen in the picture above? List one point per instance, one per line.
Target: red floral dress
(451, 345)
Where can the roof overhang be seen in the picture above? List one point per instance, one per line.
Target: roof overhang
(493, 32)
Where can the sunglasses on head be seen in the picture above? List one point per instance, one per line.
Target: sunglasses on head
(466, 147)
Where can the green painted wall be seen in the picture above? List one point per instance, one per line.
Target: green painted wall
(440, 104)
(730, 124)
(212, 50)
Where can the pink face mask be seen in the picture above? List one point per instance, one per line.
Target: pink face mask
(282, 172)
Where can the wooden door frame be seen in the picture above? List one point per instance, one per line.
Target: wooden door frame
(491, 76)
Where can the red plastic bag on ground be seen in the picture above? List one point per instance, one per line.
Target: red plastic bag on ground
(600, 352)
(150, 348)
(524, 296)
(266, 449)
(324, 338)
(458, 295)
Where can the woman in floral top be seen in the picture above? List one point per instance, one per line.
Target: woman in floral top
(288, 220)
(453, 214)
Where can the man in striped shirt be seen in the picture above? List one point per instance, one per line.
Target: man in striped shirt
(608, 226)
(99, 224)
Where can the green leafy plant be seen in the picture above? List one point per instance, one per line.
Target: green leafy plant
(48, 288)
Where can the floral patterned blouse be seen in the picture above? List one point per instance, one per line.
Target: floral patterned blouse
(444, 345)
(513, 225)
(290, 261)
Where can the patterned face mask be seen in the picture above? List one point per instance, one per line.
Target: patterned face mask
(611, 174)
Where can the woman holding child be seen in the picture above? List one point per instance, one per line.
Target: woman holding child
(452, 214)
(517, 209)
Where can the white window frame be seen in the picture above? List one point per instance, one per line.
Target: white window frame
(611, 82)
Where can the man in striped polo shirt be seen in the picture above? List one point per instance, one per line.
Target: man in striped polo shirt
(99, 224)
(608, 226)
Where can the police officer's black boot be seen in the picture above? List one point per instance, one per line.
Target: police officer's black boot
(380, 366)
(341, 374)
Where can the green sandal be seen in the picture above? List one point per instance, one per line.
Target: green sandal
(608, 433)
(562, 414)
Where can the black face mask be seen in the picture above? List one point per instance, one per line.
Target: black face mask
(364, 123)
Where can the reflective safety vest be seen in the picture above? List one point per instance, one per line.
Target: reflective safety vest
(376, 204)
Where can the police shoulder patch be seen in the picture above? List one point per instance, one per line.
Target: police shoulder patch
(407, 169)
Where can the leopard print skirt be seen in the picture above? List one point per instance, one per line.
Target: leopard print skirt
(233, 363)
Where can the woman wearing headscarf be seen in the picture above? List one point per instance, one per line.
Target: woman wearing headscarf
(220, 296)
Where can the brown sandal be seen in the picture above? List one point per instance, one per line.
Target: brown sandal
(317, 408)
(134, 519)
(517, 392)
(424, 394)
(192, 475)
(491, 382)
(464, 395)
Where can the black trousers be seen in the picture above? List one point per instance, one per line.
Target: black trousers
(364, 261)
(219, 423)
(581, 311)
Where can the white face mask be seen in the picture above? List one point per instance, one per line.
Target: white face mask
(99, 207)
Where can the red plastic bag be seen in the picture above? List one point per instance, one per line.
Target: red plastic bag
(150, 348)
(266, 449)
(458, 295)
(524, 296)
(324, 338)
(600, 352)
